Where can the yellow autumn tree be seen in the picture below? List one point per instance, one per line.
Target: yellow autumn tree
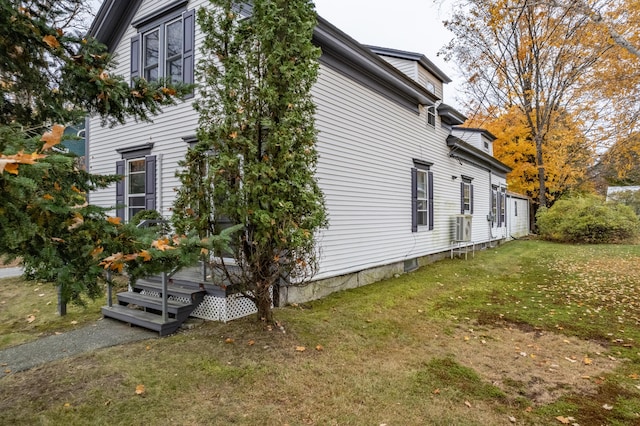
(535, 56)
(567, 153)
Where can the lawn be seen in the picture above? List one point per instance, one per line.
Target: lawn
(528, 333)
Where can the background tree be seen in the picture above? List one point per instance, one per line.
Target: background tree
(255, 159)
(531, 55)
(567, 158)
(50, 75)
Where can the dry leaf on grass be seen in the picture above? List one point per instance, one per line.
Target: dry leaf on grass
(563, 420)
(607, 407)
(229, 340)
(300, 349)
(31, 318)
(319, 348)
(140, 390)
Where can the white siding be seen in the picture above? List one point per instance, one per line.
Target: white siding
(425, 77)
(166, 133)
(366, 146)
(518, 212)
(407, 67)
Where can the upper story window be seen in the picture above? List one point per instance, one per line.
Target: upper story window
(431, 115)
(164, 45)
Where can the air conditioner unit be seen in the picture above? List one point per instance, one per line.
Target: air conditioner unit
(462, 231)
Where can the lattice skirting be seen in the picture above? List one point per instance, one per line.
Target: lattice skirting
(219, 308)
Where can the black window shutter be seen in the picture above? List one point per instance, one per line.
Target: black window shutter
(499, 210)
(150, 182)
(504, 206)
(414, 200)
(461, 197)
(188, 47)
(120, 190)
(135, 57)
(471, 197)
(431, 215)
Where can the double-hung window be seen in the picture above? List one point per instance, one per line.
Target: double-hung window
(422, 210)
(494, 205)
(136, 191)
(164, 45)
(466, 195)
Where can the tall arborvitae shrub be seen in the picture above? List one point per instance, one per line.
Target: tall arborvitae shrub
(255, 159)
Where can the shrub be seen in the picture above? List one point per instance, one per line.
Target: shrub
(587, 219)
(628, 198)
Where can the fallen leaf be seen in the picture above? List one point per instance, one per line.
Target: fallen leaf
(41, 295)
(229, 340)
(607, 407)
(319, 348)
(74, 322)
(468, 404)
(140, 390)
(436, 391)
(512, 419)
(300, 349)
(7, 371)
(563, 420)
(251, 342)
(148, 347)
(569, 359)
(31, 318)
(67, 405)
(587, 361)
(634, 376)
(528, 409)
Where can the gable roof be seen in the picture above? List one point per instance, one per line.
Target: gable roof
(465, 151)
(412, 56)
(339, 51)
(484, 132)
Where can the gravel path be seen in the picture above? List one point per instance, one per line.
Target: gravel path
(101, 334)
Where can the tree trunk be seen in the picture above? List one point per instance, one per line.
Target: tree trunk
(542, 196)
(263, 302)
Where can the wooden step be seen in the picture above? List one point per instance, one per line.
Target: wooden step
(175, 289)
(142, 319)
(180, 288)
(177, 309)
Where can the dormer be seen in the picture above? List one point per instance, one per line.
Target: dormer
(479, 138)
(416, 66)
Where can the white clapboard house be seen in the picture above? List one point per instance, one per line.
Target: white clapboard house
(403, 184)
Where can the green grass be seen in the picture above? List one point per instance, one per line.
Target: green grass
(409, 350)
(29, 310)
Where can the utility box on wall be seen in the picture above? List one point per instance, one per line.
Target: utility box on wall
(462, 228)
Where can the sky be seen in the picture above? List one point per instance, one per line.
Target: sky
(411, 25)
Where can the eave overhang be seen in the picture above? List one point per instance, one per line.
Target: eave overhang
(418, 57)
(450, 115)
(112, 20)
(346, 55)
(484, 132)
(464, 151)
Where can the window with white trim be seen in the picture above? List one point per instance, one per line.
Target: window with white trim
(422, 209)
(466, 195)
(136, 188)
(136, 191)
